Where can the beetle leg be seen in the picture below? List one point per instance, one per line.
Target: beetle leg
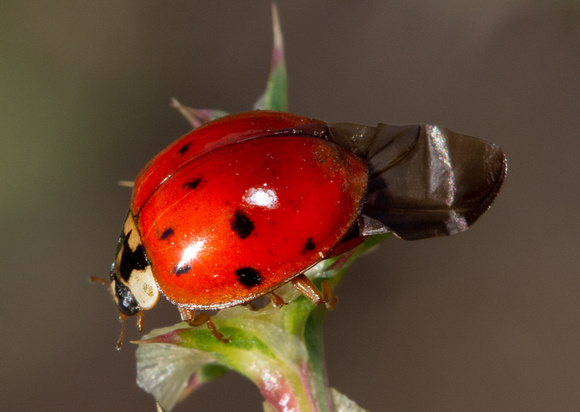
(120, 341)
(309, 289)
(202, 318)
(250, 305)
(189, 316)
(277, 300)
(139, 321)
(330, 298)
(122, 318)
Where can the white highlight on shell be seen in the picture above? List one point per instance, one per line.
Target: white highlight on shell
(191, 252)
(263, 197)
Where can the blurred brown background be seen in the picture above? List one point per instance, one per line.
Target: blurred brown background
(485, 321)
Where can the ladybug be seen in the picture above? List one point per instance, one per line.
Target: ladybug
(244, 204)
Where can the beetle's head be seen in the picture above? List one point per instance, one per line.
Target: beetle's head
(131, 279)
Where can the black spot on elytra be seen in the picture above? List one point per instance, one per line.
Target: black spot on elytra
(131, 260)
(181, 270)
(242, 225)
(192, 184)
(184, 149)
(248, 276)
(167, 233)
(309, 245)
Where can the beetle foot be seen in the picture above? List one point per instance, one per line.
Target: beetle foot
(309, 289)
(329, 297)
(277, 300)
(193, 319)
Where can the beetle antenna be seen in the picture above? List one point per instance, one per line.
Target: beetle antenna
(100, 280)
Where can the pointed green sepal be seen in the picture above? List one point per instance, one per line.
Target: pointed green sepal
(197, 117)
(275, 97)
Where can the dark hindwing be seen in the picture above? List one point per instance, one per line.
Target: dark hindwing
(425, 180)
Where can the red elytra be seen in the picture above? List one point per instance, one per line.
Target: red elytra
(238, 221)
(226, 130)
(232, 211)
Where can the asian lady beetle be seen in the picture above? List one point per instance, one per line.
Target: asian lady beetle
(246, 203)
